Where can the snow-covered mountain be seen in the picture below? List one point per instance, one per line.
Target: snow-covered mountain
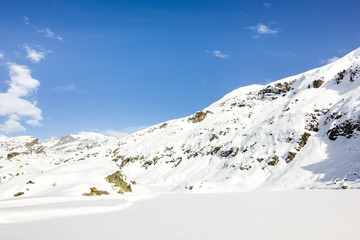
(296, 133)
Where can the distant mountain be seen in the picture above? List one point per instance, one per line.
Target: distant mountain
(300, 132)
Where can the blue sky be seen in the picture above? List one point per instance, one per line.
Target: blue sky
(118, 66)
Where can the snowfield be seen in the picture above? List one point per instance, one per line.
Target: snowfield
(282, 215)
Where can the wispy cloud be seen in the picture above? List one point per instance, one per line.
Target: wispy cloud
(36, 56)
(262, 29)
(18, 102)
(47, 32)
(113, 133)
(26, 20)
(67, 88)
(217, 53)
(17, 53)
(1, 55)
(33, 122)
(266, 4)
(123, 132)
(330, 60)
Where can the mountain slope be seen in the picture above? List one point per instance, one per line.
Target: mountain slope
(298, 132)
(55, 167)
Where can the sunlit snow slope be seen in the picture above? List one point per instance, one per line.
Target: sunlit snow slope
(299, 132)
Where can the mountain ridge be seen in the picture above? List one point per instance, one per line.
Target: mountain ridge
(299, 132)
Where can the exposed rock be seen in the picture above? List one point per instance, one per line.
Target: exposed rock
(354, 73)
(240, 104)
(118, 180)
(271, 92)
(146, 164)
(236, 152)
(199, 116)
(164, 125)
(231, 152)
(290, 157)
(150, 130)
(40, 149)
(340, 76)
(346, 129)
(18, 194)
(312, 122)
(30, 182)
(318, 83)
(304, 139)
(65, 139)
(274, 161)
(32, 143)
(11, 155)
(213, 137)
(333, 115)
(178, 161)
(245, 167)
(215, 150)
(128, 160)
(95, 192)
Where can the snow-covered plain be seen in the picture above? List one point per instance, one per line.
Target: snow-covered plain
(304, 214)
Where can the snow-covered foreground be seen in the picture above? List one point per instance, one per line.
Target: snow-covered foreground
(315, 214)
(44, 208)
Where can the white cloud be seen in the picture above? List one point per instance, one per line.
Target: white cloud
(12, 125)
(26, 20)
(124, 132)
(21, 83)
(1, 55)
(218, 54)
(67, 88)
(17, 102)
(10, 104)
(267, 4)
(48, 33)
(36, 56)
(116, 134)
(330, 60)
(261, 29)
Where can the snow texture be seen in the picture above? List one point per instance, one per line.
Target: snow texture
(281, 215)
(301, 132)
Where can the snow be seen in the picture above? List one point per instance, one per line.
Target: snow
(215, 171)
(231, 149)
(45, 208)
(259, 126)
(247, 215)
